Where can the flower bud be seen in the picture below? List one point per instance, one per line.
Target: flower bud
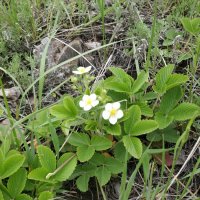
(74, 87)
(74, 79)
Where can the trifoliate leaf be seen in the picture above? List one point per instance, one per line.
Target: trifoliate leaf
(133, 145)
(144, 127)
(16, 182)
(82, 182)
(139, 82)
(79, 139)
(185, 111)
(170, 99)
(134, 114)
(162, 77)
(47, 158)
(113, 129)
(100, 143)
(45, 195)
(11, 165)
(103, 175)
(85, 153)
(66, 164)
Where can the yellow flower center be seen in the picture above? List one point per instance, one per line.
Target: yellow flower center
(89, 102)
(82, 70)
(113, 112)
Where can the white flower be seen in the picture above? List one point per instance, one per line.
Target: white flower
(112, 112)
(82, 70)
(88, 101)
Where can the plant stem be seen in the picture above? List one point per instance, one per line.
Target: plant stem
(124, 177)
(49, 175)
(102, 192)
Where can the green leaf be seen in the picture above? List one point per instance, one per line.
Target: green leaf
(112, 83)
(113, 165)
(11, 165)
(46, 195)
(16, 182)
(143, 127)
(39, 174)
(97, 159)
(58, 111)
(91, 125)
(116, 96)
(24, 197)
(84, 169)
(121, 75)
(185, 111)
(54, 138)
(169, 134)
(82, 182)
(103, 175)
(42, 116)
(113, 129)
(30, 185)
(71, 110)
(79, 139)
(168, 102)
(100, 143)
(150, 96)
(134, 114)
(5, 192)
(47, 158)
(175, 80)
(133, 145)
(163, 120)
(12, 153)
(145, 109)
(191, 25)
(2, 157)
(67, 164)
(170, 99)
(146, 165)
(139, 82)
(1, 196)
(162, 77)
(184, 56)
(120, 152)
(85, 153)
(5, 147)
(65, 126)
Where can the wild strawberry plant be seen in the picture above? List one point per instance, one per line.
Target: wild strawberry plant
(113, 117)
(89, 135)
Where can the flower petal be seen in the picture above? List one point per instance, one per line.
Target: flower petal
(116, 105)
(81, 69)
(108, 106)
(87, 107)
(106, 114)
(94, 103)
(87, 69)
(85, 97)
(93, 97)
(113, 120)
(81, 104)
(76, 72)
(119, 114)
